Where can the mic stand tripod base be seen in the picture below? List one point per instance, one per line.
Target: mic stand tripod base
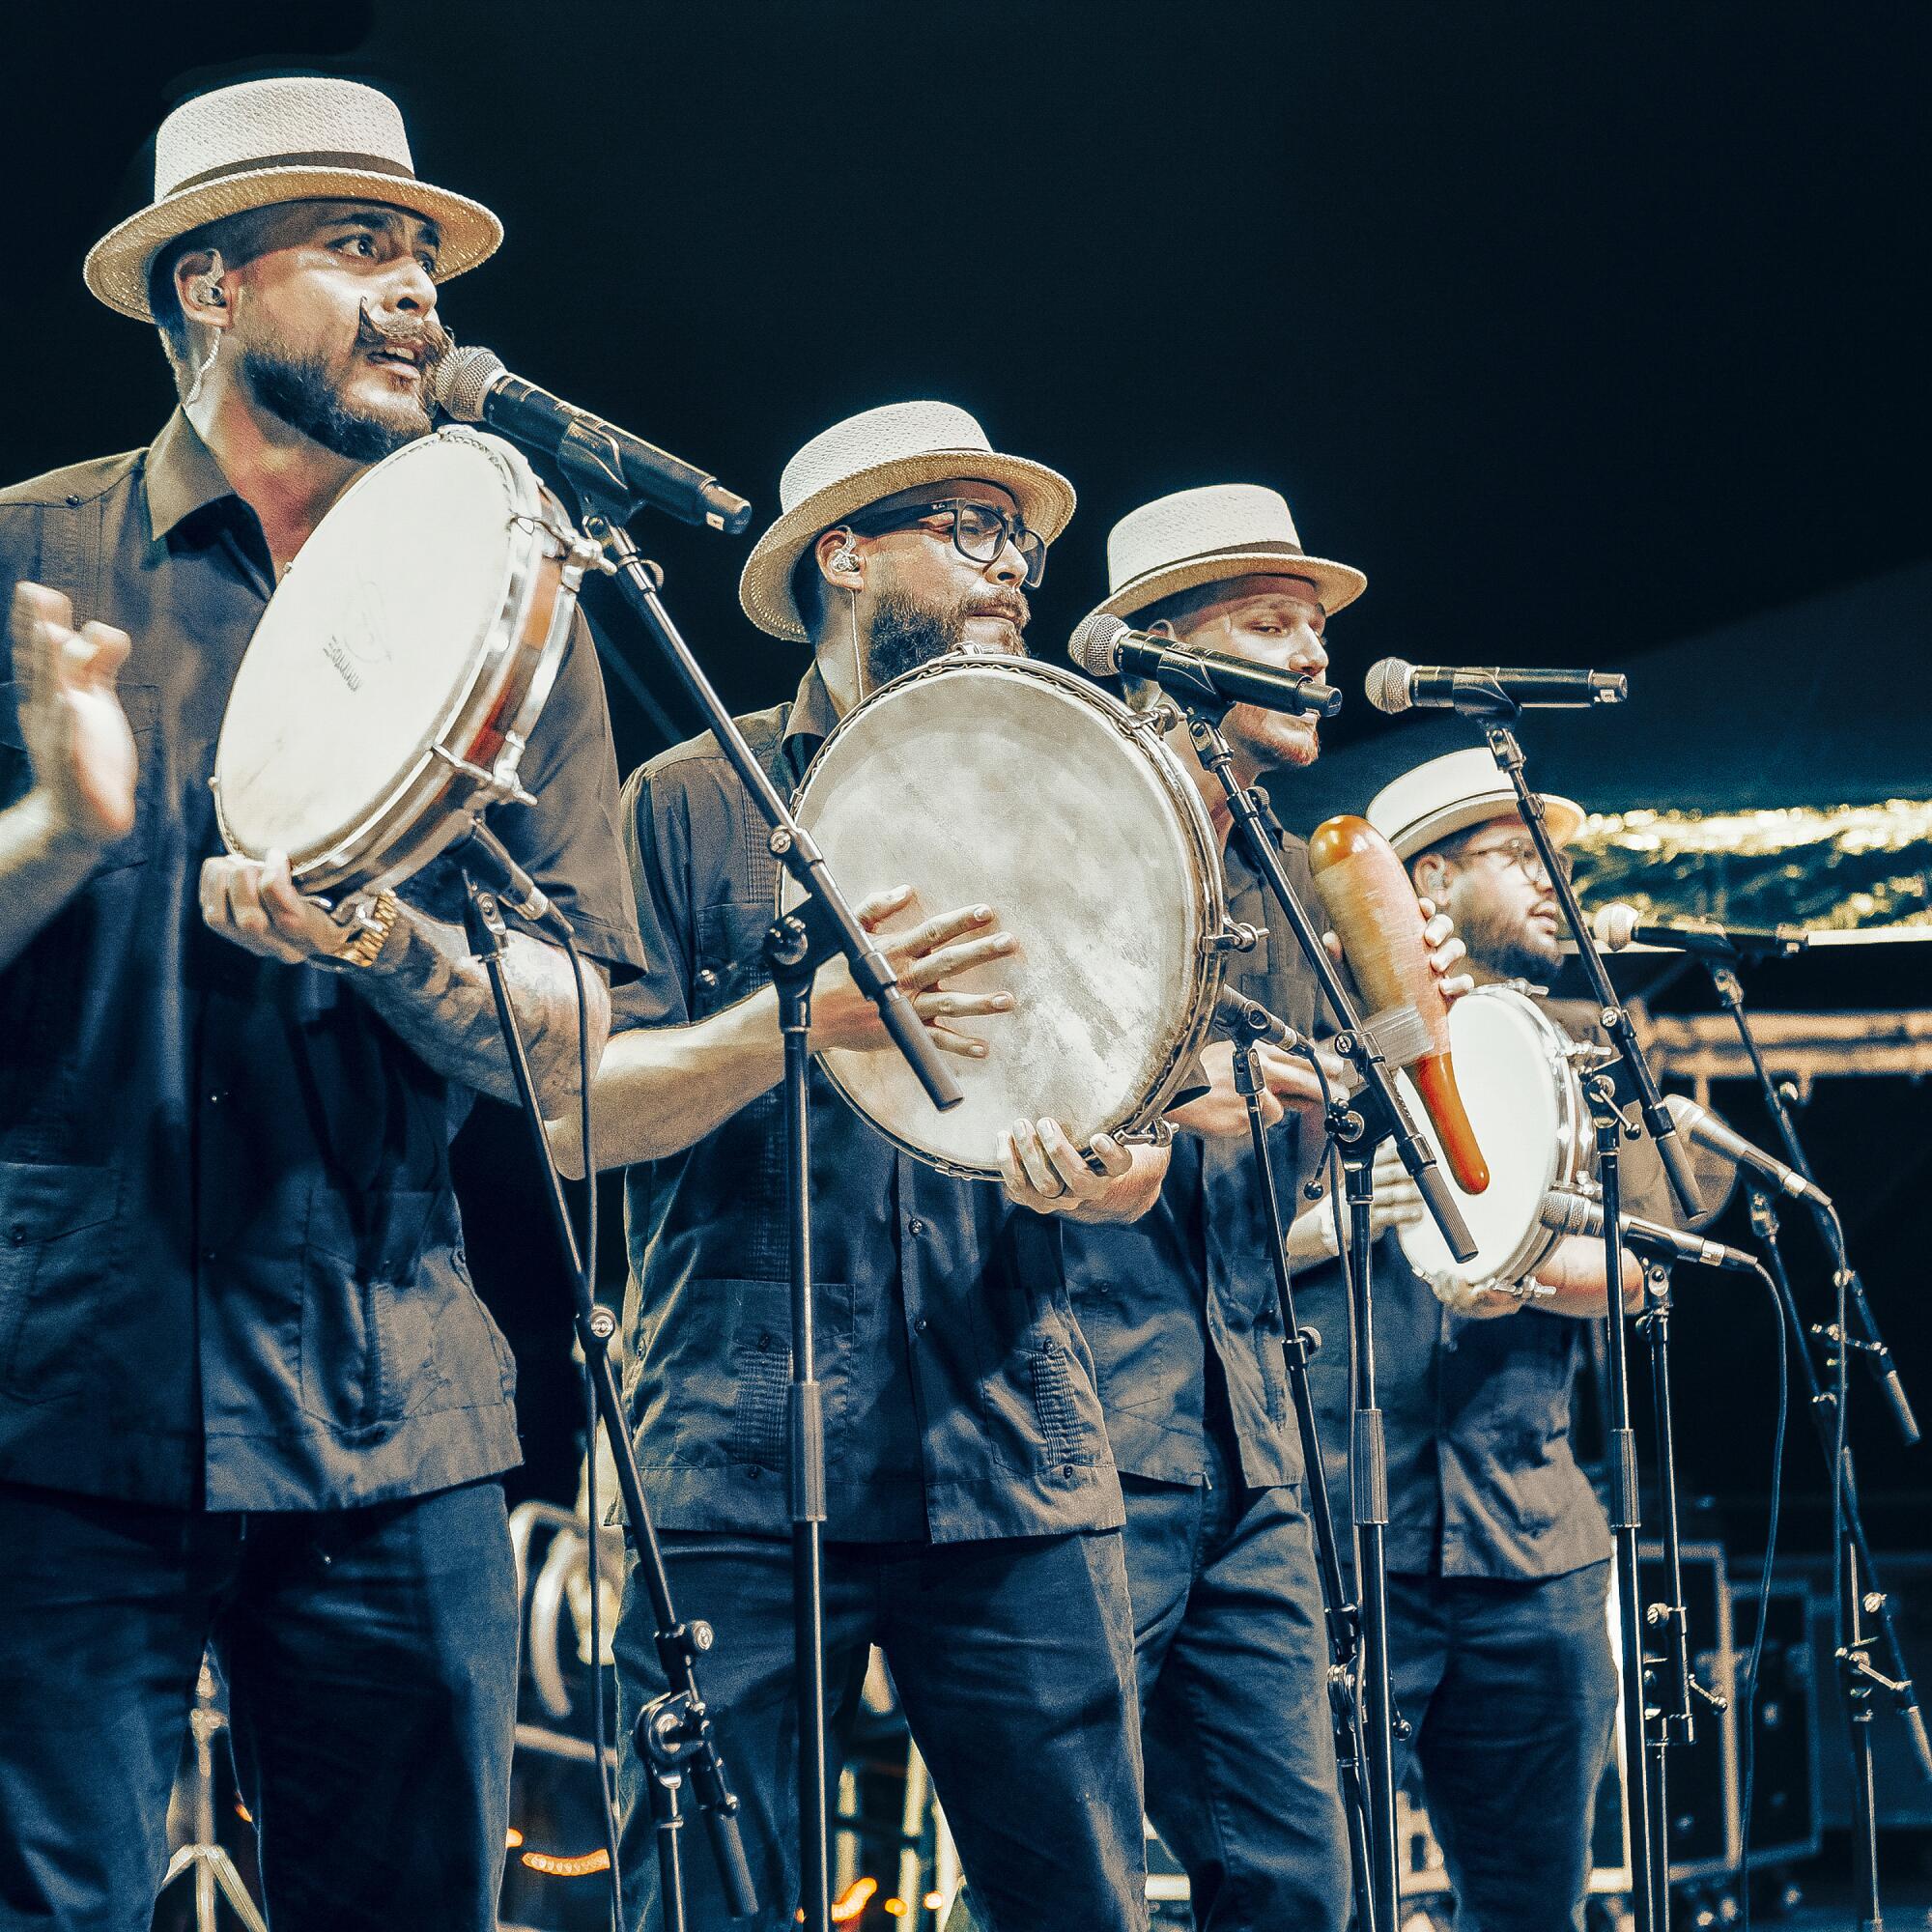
(205, 1857)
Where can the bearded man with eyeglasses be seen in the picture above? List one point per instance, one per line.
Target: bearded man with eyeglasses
(973, 1511)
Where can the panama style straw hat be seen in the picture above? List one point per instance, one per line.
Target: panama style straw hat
(1209, 536)
(1449, 794)
(875, 455)
(267, 141)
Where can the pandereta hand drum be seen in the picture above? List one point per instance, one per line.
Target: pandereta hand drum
(1515, 1071)
(984, 780)
(388, 692)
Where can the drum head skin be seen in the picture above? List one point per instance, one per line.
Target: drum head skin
(368, 648)
(1013, 785)
(1511, 1074)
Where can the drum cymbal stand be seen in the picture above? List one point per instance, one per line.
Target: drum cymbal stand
(1375, 1113)
(1343, 1615)
(825, 919)
(1650, 1852)
(1863, 1600)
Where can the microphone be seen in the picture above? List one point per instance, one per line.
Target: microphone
(483, 853)
(471, 385)
(1249, 1019)
(1566, 1213)
(1708, 1131)
(1617, 925)
(1487, 691)
(1104, 645)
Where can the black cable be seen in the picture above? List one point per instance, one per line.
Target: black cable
(1764, 1585)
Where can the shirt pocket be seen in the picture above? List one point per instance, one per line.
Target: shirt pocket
(370, 1313)
(141, 702)
(59, 1266)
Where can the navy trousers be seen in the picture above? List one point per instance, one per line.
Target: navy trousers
(1013, 1661)
(1511, 1689)
(1239, 1741)
(371, 1657)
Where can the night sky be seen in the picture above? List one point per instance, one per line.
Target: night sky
(1581, 328)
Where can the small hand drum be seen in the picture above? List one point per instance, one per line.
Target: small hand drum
(388, 690)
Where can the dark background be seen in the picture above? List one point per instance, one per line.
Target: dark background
(1583, 330)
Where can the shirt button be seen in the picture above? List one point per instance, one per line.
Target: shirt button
(18, 1232)
(208, 1254)
(915, 1226)
(919, 1326)
(706, 979)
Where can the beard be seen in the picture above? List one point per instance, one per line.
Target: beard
(1504, 943)
(300, 391)
(907, 633)
(1271, 741)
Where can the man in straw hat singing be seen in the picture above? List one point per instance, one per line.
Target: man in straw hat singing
(1181, 1312)
(1498, 1550)
(248, 1398)
(973, 1507)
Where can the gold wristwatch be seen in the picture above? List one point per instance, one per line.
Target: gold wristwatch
(375, 921)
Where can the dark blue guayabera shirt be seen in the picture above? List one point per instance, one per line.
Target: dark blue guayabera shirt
(1482, 1477)
(959, 1396)
(231, 1270)
(1183, 1302)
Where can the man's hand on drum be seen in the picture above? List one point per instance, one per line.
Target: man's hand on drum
(924, 957)
(254, 902)
(76, 732)
(1288, 1081)
(1042, 1168)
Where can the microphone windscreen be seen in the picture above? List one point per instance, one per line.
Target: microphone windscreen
(1614, 925)
(1386, 685)
(462, 380)
(1094, 646)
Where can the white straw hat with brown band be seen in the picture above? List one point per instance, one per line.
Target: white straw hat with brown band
(863, 460)
(261, 142)
(1449, 794)
(1213, 535)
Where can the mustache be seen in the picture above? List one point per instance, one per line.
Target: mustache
(428, 336)
(1013, 608)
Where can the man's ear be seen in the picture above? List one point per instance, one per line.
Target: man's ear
(198, 287)
(839, 565)
(1161, 627)
(1431, 875)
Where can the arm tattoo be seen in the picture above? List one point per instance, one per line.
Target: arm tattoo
(435, 996)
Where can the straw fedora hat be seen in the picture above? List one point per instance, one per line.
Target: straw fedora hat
(267, 141)
(1209, 536)
(1449, 794)
(874, 455)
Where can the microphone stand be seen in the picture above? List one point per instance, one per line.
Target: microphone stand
(1343, 1616)
(1860, 1592)
(1373, 1114)
(607, 505)
(1647, 1812)
(674, 1731)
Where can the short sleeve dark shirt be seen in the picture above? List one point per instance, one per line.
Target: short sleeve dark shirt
(231, 1267)
(959, 1396)
(1190, 1284)
(1483, 1480)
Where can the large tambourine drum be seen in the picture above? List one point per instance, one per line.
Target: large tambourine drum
(1517, 1074)
(1008, 783)
(389, 689)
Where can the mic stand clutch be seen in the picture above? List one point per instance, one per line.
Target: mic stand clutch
(606, 506)
(1344, 1618)
(1375, 1113)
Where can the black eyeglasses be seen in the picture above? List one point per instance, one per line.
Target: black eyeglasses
(980, 531)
